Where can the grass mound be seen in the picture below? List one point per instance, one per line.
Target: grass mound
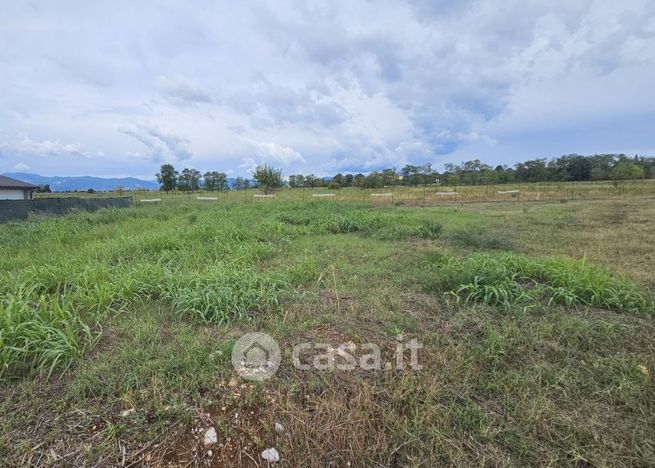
(516, 280)
(39, 333)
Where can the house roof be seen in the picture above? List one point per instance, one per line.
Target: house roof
(9, 183)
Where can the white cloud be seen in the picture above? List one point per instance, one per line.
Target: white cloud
(279, 153)
(46, 148)
(183, 91)
(162, 143)
(322, 86)
(21, 167)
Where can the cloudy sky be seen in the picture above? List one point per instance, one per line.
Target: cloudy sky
(118, 88)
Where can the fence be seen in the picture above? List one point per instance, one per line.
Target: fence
(440, 194)
(21, 209)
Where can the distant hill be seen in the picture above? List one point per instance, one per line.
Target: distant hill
(82, 183)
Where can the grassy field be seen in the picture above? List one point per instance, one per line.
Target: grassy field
(419, 196)
(536, 318)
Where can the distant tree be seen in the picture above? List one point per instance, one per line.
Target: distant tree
(374, 180)
(312, 181)
(579, 167)
(348, 180)
(389, 177)
(338, 180)
(221, 182)
(209, 181)
(189, 180)
(215, 181)
(532, 171)
(45, 188)
(411, 175)
(627, 171)
(90, 191)
(167, 177)
(359, 181)
(297, 180)
(268, 178)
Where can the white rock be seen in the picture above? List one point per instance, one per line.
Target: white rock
(271, 455)
(279, 428)
(209, 437)
(127, 412)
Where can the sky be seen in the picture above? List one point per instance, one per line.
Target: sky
(119, 88)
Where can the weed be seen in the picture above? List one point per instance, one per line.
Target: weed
(511, 279)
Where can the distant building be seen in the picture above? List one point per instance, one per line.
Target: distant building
(12, 189)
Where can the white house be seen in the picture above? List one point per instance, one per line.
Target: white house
(12, 189)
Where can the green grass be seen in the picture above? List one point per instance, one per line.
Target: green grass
(515, 280)
(536, 320)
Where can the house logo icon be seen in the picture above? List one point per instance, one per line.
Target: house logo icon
(256, 356)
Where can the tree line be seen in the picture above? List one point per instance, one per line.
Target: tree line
(190, 180)
(572, 167)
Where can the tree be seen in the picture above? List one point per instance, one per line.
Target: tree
(532, 171)
(359, 180)
(167, 177)
(215, 180)
(627, 171)
(296, 181)
(411, 175)
(268, 178)
(312, 181)
(189, 180)
(389, 177)
(209, 183)
(222, 182)
(374, 180)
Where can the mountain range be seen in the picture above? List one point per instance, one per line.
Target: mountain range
(83, 183)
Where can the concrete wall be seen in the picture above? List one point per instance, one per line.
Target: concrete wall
(21, 209)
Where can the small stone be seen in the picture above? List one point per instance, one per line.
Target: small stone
(643, 369)
(271, 455)
(209, 453)
(279, 428)
(127, 412)
(209, 437)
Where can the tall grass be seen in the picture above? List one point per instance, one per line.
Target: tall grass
(40, 333)
(515, 280)
(61, 277)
